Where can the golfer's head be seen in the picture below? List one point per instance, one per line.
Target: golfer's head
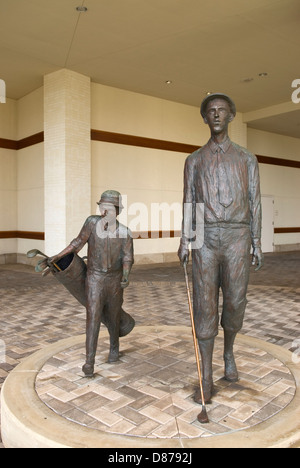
(213, 97)
(218, 110)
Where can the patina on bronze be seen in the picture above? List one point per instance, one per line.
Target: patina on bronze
(225, 178)
(99, 285)
(71, 272)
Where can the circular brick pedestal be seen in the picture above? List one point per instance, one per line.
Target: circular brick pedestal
(146, 399)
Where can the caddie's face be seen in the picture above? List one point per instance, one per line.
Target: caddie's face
(108, 211)
(218, 115)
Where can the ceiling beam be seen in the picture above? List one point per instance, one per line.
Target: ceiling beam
(271, 111)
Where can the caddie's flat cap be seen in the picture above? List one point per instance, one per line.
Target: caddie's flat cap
(113, 197)
(213, 96)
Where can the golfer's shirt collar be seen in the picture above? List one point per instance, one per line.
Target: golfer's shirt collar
(222, 148)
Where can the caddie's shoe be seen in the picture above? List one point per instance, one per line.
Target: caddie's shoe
(114, 355)
(208, 389)
(88, 369)
(231, 372)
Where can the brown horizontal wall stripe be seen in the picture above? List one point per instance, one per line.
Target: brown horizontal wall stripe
(22, 235)
(136, 235)
(8, 234)
(31, 235)
(287, 230)
(156, 234)
(21, 144)
(278, 161)
(8, 144)
(30, 141)
(132, 140)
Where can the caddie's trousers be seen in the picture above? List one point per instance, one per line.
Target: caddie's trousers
(103, 290)
(222, 262)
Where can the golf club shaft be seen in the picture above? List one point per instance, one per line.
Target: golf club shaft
(194, 333)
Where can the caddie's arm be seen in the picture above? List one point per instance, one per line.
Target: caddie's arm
(128, 259)
(76, 245)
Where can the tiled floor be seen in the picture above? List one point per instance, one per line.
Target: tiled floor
(36, 311)
(149, 392)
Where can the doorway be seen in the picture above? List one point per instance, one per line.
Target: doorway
(267, 238)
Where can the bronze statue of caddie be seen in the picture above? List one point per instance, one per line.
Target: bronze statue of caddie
(110, 258)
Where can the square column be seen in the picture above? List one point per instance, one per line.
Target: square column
(67, 153)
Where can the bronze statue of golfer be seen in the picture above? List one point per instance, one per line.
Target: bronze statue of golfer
(224, 177)
(110, 258)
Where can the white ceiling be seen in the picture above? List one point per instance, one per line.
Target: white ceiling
(201, 45)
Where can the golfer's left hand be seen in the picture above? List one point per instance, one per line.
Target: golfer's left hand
(258, 258)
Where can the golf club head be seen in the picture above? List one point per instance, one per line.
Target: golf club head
(34, 252)
(202, 417)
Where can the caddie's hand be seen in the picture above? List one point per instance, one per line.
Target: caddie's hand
(183, 254)
(41, 265)
(52, 260)
(257, 258)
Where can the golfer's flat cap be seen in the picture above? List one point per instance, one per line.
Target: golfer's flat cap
(113, 197)
(213, 96)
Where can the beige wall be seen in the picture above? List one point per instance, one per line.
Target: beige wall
(8, 176)
(30, 115)
(146, 176)
(30, 170)
(21, 173)
(280, 182)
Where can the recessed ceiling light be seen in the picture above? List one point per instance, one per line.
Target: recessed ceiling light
(248, 80)
(168, 82)
(208, 93)
(262, 75)
(81, 9)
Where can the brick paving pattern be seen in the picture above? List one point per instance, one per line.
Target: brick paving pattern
(149, 392)
(36, 311)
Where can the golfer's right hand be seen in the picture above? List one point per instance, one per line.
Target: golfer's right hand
(183, 254)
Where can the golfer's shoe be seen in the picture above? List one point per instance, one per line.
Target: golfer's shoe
(208, 390)
(231, 372)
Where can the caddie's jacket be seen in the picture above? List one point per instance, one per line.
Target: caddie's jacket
(109, 246)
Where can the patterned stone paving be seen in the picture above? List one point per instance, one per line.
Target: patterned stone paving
(149, 392)
(36, 311)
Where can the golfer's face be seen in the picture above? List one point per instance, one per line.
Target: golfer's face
(218, 115)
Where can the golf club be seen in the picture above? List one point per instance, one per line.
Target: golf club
(34, 252)
(202, 417)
